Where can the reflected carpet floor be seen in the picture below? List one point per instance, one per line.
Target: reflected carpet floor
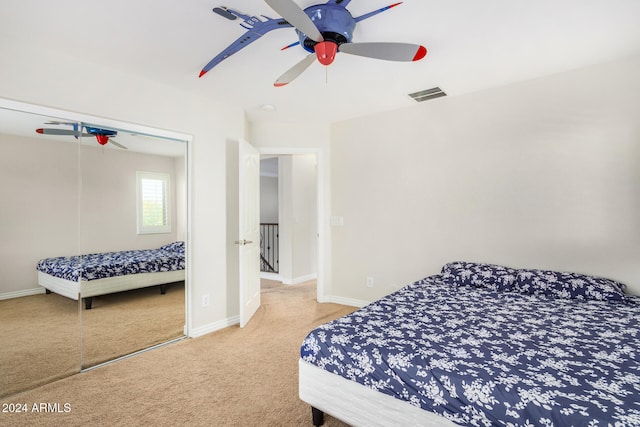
(232, 377)
(41, 336)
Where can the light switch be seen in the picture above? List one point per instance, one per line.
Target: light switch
(337, 220)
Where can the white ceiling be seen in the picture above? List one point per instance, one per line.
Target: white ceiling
(472, 44)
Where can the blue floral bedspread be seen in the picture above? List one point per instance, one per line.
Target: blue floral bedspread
(110, 264)
(483, 357)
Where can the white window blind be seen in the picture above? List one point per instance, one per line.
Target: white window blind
(154, 214)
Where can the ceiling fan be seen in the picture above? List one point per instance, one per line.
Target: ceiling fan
(103, 136)
(323, 31)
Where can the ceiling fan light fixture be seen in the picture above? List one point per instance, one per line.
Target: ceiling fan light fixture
(268, 107)
(321, 28)
(102, 139)
(326, 52)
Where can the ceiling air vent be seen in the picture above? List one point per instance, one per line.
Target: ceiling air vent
(427, 94)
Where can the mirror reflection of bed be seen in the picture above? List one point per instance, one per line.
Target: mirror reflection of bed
(70, 197)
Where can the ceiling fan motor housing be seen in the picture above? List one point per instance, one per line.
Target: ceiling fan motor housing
(335, 23)
(102, 135)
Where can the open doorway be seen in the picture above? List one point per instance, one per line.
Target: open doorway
(289, 218)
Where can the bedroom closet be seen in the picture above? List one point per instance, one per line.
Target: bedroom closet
(70, 190)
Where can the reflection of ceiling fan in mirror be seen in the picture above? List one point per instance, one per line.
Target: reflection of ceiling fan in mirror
(103, 136)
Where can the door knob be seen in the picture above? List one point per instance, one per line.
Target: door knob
(243, 242)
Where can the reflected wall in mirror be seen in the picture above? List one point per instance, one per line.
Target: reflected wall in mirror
(40, 193)
(132, 235)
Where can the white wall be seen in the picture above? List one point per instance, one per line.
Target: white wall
(297, 218)
(50, 78)
(544, 174)
(268, 199)
(285, 220)
(304, 216)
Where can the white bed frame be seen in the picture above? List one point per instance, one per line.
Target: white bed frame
(358, 405)
(88, 289)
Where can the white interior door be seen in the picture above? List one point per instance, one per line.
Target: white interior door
(249, 231)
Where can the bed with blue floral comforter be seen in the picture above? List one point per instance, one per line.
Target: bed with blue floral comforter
(109, 264)
(107, 272)
(485, 345)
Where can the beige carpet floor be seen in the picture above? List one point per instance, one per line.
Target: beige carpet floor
(233, 377)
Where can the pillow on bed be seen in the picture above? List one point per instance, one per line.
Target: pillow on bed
(567, 285)
(173, 247)
(480, 275)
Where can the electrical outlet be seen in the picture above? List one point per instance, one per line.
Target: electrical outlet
(369, 282)
(205, 300)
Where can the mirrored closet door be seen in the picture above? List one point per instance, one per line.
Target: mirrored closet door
(39, 215)
(132, 236)
(92, 243)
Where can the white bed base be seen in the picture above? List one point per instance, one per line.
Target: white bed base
(358, 405)
(109, 285)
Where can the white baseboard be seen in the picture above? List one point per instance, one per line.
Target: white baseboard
(300, 279)
(270, 276)
(212, 327)
(25, 293)
(345, 301)
(277, 277)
